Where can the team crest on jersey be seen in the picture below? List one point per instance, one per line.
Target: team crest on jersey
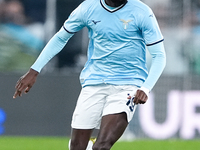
(125, 23)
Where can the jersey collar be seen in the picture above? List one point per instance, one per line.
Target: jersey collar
(109, 8)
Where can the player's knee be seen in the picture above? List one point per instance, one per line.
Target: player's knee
(102, 146)
(76, 145)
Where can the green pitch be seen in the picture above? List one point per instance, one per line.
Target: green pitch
(61, 143)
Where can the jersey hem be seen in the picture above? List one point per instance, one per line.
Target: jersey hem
(137, 83)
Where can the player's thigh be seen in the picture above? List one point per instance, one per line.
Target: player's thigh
(117, 102)
(81, 135)
(88, 111)
(112, 127)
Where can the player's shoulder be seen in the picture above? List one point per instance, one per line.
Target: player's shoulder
(87, 4)
(140, 6)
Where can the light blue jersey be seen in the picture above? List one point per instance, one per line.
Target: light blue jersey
(117, 47)
(116, 52)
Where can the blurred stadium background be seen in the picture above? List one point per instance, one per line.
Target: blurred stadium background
(173, 110)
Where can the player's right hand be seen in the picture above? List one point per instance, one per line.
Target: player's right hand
(25, 83)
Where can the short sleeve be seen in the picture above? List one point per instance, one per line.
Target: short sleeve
(150, 29)
(75, 21)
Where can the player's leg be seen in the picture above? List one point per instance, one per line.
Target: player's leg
(118, 111)
(112, 127)
(80, 138)
(87, 115)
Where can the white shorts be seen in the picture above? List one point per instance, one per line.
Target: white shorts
(94, 102)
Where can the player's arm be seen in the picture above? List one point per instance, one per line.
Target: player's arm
(73, 24)
(54, 46)
(154, 41)
(158, 55)
(157, 52)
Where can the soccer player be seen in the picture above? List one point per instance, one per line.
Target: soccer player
(115, 78)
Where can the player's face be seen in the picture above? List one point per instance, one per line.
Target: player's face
(116, 3)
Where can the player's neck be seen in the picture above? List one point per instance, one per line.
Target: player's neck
(115, 3)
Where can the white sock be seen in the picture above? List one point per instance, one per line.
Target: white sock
(69, 144)
(89, 146)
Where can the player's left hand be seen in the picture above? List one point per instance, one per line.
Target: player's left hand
(140, 97)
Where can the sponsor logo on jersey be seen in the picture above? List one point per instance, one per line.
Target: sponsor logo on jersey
(95, 22)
